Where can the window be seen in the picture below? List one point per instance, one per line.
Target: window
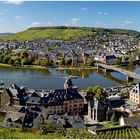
(75, 105)
(66, 104)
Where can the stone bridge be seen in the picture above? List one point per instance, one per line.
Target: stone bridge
(130, 75)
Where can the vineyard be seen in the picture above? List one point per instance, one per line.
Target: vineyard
(110, 133)
(123, 133)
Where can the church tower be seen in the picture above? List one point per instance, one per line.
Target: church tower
(68, 84)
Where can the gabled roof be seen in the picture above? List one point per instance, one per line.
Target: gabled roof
(136, 89)
(35, 94)
(14, 116)
(15, 91)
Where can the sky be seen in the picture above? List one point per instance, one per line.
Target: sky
(20, 15)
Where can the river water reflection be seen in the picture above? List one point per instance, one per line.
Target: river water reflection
(49, 78)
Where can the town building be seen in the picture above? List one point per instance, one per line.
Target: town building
(64, 100)
(135, 94)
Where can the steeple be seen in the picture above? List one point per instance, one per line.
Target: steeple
(68, 84)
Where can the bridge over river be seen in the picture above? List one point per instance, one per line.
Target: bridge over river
(130, 75)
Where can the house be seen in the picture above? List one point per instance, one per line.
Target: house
(135, 94)
(109, 58)
(106, 58)
(74, 56)
(32, 121)
(18, 96)
(14, 119)
(28, 119)
(4, 98)
(64, 100)
(67, 120)
(34, 99)
(132, 121)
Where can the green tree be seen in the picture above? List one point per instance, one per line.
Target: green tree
(25, 61)
(45, 62)
(131, 60)
(68, 62)
(6, 59)
(118, 61)
(37, 62)
(62, 62)
(11, 61)
(2, 56)
(90, 94)
(99, 94)
(90, 61)
(24, 54)
(123, 94)
(49, 126)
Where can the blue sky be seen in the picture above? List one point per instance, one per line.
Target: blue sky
(16, 16)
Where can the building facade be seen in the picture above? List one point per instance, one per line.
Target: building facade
(135, 94)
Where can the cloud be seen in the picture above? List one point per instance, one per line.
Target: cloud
(126, 22)
(102, 13)
(16, 2)
(73, 22)
(83, 9)
(18, 17)
(38, 24)
(98, 23)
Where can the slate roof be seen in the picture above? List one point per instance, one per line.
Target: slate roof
(75, 121)
(58, 96)
(14, 116)
(10, 108)
(116, 103)
(131, 121)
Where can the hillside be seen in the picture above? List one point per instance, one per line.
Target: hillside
(62, 33)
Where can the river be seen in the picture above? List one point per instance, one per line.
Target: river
(52, 78)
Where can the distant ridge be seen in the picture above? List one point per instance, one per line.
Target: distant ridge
(5, 34)
(63, 33)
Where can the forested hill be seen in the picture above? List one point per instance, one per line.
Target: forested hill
(64, 33)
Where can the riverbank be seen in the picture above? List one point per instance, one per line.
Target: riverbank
(41, 67)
